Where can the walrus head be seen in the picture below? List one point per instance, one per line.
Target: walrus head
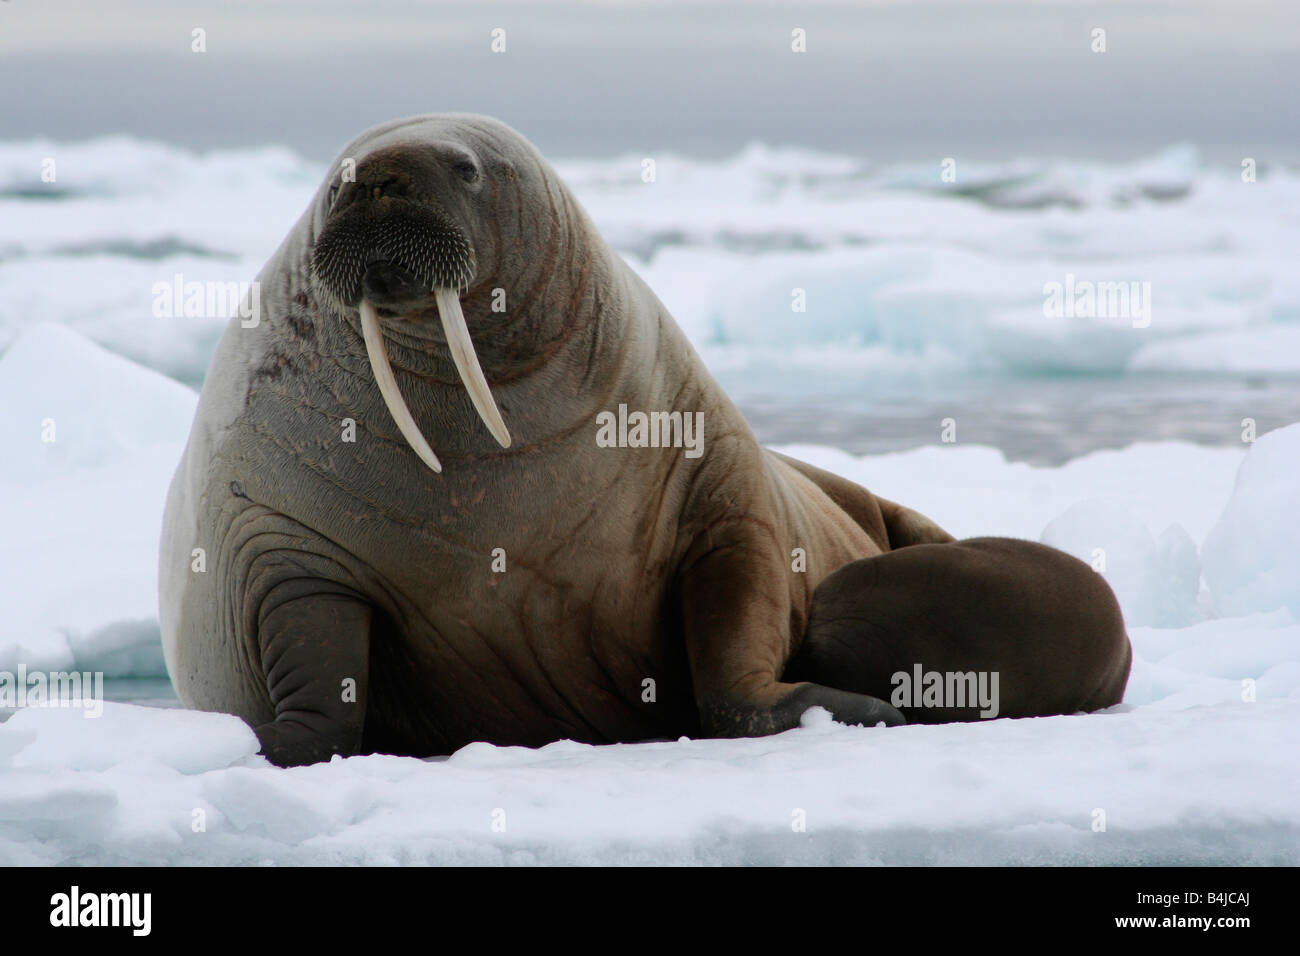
(396, 243)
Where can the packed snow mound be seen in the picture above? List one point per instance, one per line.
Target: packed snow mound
(1224, 661)
(1155, 580)
(91, 441)
(1252, 556)
(71, 738)
(70, 404)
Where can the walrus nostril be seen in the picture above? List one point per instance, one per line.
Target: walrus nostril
(390, 186)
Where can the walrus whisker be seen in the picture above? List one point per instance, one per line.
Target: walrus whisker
(471, 373)
(374, 336)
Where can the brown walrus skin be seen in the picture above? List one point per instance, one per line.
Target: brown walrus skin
(1042, 620)
(342, 597)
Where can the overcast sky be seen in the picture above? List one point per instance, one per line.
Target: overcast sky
(890, 81)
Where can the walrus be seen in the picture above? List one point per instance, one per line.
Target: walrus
(1040, 621)
(392, 529)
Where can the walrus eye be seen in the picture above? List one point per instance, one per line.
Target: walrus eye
(466, 170)
(334, 194)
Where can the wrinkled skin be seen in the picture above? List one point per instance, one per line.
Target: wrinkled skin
(334, 564)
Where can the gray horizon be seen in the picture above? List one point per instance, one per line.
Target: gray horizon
(888, 81)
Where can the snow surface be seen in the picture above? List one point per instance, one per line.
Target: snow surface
(82, 514)
(1199, 765)
(1191, 786)
(900, 269)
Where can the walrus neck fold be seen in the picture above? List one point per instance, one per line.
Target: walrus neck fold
(461, 347)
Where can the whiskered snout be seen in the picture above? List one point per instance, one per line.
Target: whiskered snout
(383, 248)
(395, 248)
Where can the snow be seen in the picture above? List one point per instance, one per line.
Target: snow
(900, 268)
(1174, 787)
(1197, 766)
(1252, 562)
(65, 739)
(1156, 581)
(908, 280)
(82, 513)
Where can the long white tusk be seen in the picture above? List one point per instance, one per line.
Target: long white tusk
(462, 353)
(374, 337)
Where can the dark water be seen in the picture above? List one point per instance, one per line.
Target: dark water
(1040, 421)
(148, 691)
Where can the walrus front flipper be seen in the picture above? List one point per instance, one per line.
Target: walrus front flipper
(315, 657)
(987, 627)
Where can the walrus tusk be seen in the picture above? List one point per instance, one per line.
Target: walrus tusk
(378, 355)
(471, 373)
(462, 353)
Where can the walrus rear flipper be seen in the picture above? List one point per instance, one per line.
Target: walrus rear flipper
(735, 598)
(782, 709)
(312, 646)
(907, 527)
(987, 627)
(889, 525)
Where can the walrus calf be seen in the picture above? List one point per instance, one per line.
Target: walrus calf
(1037, 623)
(394, 529)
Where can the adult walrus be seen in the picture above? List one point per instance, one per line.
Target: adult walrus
(346, 586)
